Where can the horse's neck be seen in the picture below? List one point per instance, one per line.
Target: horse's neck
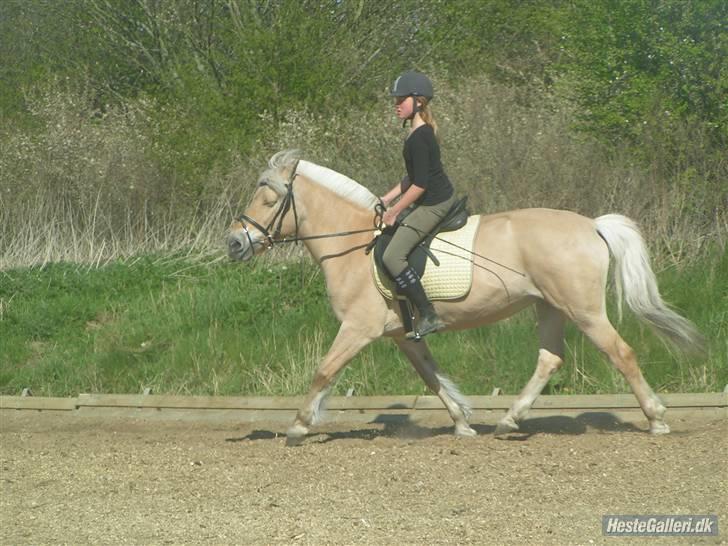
(328, 213)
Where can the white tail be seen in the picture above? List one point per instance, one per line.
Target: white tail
(636, 282)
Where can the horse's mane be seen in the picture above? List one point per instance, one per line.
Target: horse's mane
(336, 182)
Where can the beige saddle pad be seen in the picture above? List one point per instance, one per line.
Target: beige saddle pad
(452, 279)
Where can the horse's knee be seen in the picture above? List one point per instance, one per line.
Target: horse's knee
(322, 379)
(548, 363)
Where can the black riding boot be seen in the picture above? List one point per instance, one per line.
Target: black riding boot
(408, 283)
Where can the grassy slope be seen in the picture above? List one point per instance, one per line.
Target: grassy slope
(184, 327)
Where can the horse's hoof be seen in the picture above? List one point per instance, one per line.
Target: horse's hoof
(505, 427)
(465, 432)
(295, 435)
(293, 441)
(659, 428)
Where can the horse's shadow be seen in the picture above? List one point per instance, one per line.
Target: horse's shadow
(403, 427)
(599, 421)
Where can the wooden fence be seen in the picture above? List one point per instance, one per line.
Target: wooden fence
(355, 408)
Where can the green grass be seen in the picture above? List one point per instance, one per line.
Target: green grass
(182, 326)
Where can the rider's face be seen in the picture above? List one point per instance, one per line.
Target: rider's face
(404, 107)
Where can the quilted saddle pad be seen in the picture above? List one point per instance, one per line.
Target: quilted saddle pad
(453, 277)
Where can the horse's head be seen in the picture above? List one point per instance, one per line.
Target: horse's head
(272, 213)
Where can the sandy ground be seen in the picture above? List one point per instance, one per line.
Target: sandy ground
(88, 480)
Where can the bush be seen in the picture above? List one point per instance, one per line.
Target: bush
(94, 185)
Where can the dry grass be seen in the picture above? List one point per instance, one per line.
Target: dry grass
(90, 187)
(39, 232)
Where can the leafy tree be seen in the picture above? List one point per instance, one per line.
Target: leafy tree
(210, 69)
(630, 63)
(513, 42)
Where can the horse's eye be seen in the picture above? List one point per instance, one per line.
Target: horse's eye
(270, 204)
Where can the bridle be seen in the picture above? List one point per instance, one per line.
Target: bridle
(289, 203)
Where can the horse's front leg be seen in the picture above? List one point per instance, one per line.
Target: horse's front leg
(423, 361)
(349, 341)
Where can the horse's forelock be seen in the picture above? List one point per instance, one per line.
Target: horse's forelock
(274, 176)
(273, 180)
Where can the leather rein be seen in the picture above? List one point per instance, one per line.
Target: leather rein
(289, 202)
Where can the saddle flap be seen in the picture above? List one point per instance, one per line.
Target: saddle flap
(417, 258)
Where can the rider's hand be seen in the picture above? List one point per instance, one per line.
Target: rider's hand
(390, 217)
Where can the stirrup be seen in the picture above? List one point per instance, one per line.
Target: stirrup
(416, 334)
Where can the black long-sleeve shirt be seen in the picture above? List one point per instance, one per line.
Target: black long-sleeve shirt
(424, 167)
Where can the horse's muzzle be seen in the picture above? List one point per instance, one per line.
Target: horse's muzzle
(239, 248)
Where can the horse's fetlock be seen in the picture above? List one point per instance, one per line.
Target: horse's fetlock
(658, 426)
(297, 430)
(464, 430)
(506, 426)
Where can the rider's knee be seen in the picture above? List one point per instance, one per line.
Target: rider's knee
(394, 263)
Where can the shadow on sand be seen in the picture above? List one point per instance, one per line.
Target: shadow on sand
(403, 427)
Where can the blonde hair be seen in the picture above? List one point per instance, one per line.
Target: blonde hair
(425, 111)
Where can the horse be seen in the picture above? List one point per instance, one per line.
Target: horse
(557, 261)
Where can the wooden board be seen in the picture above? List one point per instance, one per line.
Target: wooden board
(37, 403)
(189, 402)
(262, 405)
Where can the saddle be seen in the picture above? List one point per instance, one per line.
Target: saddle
(455, 219)
(447, 249)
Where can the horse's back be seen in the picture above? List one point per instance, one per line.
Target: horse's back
(558, 251)
(540, 217)
(539, 229)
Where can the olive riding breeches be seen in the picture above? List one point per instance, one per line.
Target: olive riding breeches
(415, 228)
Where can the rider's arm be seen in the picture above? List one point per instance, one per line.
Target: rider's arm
(410, 196)
(391, 195)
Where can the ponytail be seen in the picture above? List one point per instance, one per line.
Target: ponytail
(425, 111)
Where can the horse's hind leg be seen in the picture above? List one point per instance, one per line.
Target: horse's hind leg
(606, 338)
(550, 357)
(349, 341)
(424, 363)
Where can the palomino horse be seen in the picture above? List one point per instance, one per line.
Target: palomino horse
(563, 257)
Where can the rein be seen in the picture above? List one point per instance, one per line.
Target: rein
(288, 203)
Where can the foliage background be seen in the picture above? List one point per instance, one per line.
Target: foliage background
(201, 83)
(136, 128)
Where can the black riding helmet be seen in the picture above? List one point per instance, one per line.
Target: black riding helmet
(412, 84)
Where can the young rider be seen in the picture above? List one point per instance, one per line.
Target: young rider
(426, 186)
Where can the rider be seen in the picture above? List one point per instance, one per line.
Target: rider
(426, 186)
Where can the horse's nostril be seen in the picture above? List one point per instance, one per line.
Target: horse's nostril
(235, 247)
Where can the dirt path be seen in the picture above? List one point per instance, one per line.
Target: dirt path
(86, 480)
